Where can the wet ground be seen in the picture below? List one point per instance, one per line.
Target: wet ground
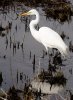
(19, 52)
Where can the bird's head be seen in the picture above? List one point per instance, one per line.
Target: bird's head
(31, 12)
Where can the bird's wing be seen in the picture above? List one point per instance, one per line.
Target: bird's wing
(49, 37)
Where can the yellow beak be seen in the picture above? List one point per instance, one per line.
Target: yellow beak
(24, 14)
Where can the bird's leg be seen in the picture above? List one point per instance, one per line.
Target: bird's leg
(44, 53)
(46, 50)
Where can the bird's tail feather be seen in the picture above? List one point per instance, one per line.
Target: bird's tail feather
(65, 52)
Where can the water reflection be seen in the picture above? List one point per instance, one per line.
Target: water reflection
(33, 64)
(1, 78)
(18, 49)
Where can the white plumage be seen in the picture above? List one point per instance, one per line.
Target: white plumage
(45, 35)
(52, 40)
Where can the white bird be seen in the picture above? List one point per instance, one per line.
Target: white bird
(45, 35)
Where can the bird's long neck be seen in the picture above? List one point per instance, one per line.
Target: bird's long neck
(33, 23)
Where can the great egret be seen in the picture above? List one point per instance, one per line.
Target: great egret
(45, 35)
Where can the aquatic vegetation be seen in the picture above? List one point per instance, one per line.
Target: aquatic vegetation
(63, 36)
(13, 94)
(71, 95)
(57, 60)
(70, 46)
(5, 3)
(1, 78)
(3, 94)
(56, 79)
(28, 94)
(51, 76)
(58, 10)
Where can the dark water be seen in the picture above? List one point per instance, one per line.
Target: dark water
(18, 47)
